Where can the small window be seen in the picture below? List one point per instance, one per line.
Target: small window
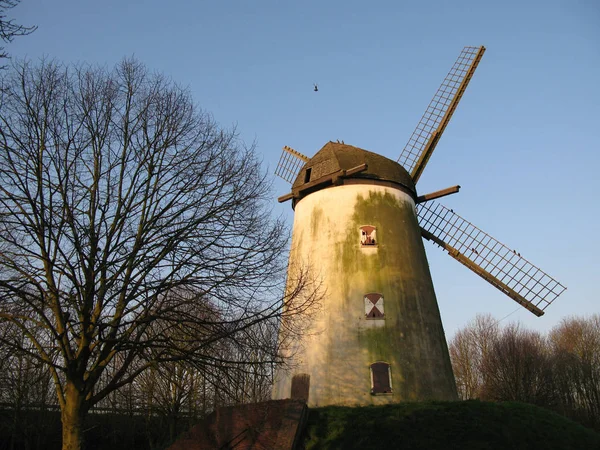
(368, 236)
(381, 378)
(374, 306)
(307, 175)
(300, 386)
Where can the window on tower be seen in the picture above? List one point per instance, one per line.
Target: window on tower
(300, 386)
(374, 306)
(381, 378)
(307, 175)
(368, 236)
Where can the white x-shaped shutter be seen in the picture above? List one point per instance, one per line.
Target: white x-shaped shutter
(374, 306)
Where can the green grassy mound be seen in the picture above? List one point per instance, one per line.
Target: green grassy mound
(445, 425)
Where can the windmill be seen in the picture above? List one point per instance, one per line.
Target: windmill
(358, 224)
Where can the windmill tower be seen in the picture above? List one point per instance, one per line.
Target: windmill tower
(358, 223)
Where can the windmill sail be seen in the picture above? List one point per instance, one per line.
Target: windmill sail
(502, 267)
(422, 142)
(290, 164)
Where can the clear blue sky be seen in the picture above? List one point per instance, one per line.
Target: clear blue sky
(523, 143)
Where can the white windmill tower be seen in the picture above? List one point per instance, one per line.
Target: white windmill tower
(358, 224)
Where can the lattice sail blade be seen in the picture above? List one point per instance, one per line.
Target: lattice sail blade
(290, 164)
(501, 266)
(429, 130)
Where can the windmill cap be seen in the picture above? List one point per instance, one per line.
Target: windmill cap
(334, 157)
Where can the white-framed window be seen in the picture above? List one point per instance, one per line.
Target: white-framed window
(307, 175)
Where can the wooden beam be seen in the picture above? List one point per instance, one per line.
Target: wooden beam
(437, 134)
(329, 179)
(438, 194)
(285, 198)
(483, 274)
(357, 169)
(326, 180)
(297, 154)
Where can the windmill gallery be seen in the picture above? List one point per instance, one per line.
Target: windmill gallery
(358, 223)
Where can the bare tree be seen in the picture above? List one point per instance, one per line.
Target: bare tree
(8, 28)
(519, 368)
(125, 212)
(465, 364)
(576, 348)
(468, 349)
(178, 390)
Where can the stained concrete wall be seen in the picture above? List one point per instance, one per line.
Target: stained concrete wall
(342, 344)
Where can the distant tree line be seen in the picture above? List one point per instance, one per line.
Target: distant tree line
(559, 370)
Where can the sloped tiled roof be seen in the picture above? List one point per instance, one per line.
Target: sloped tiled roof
(334, 157)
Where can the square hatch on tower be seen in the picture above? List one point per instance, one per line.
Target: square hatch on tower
(368, 236)
(381, 378)
(374, 306)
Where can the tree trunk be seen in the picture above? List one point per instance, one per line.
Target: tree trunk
(72, 418)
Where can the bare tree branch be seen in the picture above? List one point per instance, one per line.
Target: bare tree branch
(8, 28)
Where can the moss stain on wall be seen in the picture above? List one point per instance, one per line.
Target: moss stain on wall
(315, 222)
(396, 268)
(364, 272)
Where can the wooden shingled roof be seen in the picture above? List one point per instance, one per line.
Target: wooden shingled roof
(334, 157)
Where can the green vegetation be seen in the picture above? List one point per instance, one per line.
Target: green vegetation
(445, 425)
